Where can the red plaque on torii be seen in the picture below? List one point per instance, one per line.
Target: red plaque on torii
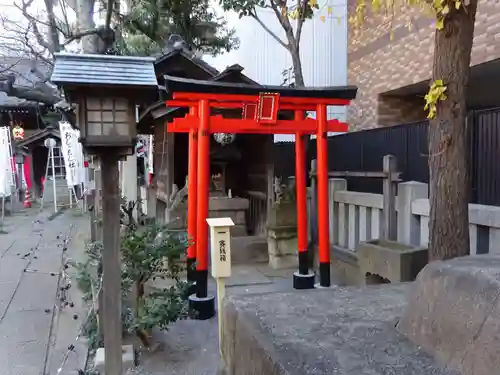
(260, 108)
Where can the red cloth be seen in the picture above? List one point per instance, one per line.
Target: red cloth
(27, 172)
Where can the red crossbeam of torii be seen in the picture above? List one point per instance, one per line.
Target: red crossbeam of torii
(260, 107)
(253, 123)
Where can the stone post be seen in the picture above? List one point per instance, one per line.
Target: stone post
(335, 184)
(408, 224)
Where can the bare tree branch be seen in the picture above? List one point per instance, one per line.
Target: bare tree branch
(268, 30)
(34, 24)
(9, 67)
(301, 21)
(284, 21)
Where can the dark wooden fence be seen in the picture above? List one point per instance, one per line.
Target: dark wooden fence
(364, 150)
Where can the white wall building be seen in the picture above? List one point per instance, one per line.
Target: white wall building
(323, 50)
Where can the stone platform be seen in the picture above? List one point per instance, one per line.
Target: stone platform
(341, 331)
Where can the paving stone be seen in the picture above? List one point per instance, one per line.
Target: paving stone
(26, 326)
(37, 291)
(11, 268)
(6, 293)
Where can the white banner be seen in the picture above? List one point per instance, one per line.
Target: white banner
(72, 153)
(5, 164)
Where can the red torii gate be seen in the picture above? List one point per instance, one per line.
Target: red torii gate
(260, 106)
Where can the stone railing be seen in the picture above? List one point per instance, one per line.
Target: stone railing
(484, 226)
(356, 217)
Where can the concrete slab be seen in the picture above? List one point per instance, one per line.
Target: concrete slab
(21, 326)
(37, 291)
(22, 358)
(246, 275)
(25, 326)
(7, 290)
(11, 268)
(347, 331)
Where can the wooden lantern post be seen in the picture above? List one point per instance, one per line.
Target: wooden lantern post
(105, 90)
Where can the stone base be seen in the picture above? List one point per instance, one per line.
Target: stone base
(282, 247)
(235, 208)
(390, 260)
(201, 308)
(128, 358)
(319, 286)
(303, 281)
(327, 331)
(345, 267)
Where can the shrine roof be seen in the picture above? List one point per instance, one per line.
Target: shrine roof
(202, 64)
(27, 74)
(87, 69)
(176, 84)
(39, 136)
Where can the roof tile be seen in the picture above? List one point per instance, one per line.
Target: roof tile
(104, 70)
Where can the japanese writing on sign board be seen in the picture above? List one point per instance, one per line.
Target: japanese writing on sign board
(68, 139)
(222, 250)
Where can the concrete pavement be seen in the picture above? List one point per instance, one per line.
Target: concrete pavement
(32, 252)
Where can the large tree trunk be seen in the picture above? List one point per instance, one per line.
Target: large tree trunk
(449, 176)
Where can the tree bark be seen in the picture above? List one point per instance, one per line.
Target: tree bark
(449, 175)
(297, 67)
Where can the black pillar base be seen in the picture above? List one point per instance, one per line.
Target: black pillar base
(324, 275)
(301, 281)
(201, 308)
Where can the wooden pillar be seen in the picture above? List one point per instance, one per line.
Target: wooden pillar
(300, 185)
(192, 197)
(93, 217)
(301, 279)
(112, 323)
(98, 202)
(202, 200)
(201, 303)
(322, 180)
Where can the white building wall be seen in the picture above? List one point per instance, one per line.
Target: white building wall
(323, 51)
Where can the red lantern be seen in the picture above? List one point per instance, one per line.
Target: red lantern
(18, 133)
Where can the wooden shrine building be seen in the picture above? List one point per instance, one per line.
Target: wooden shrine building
(27, 103)
(240, 164)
